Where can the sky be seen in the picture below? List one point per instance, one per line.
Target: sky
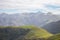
(22, 6)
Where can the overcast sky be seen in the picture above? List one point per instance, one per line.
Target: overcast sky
(17, 6)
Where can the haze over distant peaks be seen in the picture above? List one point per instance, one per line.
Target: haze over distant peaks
(38, 19)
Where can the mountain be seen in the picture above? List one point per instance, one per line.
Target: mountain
(53, 27)
(23, 33)
(19, 19)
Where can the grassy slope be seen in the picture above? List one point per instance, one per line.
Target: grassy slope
(36, 32)
(55, 37)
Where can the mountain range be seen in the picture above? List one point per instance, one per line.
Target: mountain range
(19, 19)
(29, 26)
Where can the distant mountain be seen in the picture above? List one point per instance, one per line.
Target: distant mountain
(38, 19)
(53, 27)
(23, 33)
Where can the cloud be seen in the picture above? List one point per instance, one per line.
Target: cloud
(28, 5)
(53, 7)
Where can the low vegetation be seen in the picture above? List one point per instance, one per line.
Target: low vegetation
(26, 33)
(55, 37)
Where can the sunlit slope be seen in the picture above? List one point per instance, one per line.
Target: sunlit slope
(21, 32)
(55, 37)
(36, 32)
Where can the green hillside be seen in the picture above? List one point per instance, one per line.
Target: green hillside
(19, 33)
(55, 37)
(36, 32)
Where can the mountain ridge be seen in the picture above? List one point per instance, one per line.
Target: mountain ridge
(37, 19)
(53, 27)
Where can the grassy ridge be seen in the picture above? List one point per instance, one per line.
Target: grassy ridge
(55, 37)
(34, 32)
(37, 32)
